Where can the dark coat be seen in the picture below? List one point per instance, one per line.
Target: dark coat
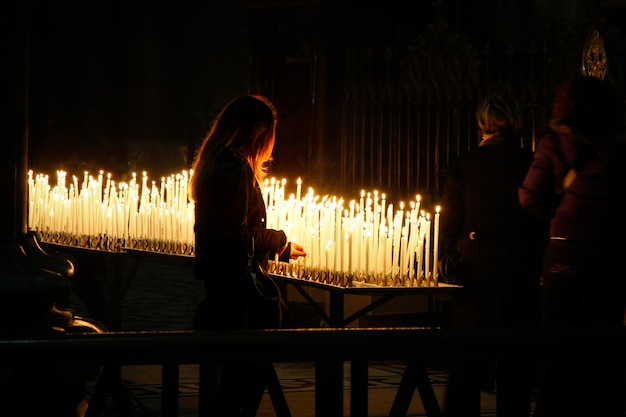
(229, 211)
(502, 262)
(593, 207)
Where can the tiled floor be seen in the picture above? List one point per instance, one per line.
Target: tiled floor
(298, 386)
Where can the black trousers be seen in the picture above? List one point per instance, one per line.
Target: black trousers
(582, 286)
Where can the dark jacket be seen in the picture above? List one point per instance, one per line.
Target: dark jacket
(229, 211)
(502, 261)
(593, 207)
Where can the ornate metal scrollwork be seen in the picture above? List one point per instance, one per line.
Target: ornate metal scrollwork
(594, 59)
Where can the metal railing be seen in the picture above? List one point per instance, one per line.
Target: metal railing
(325, 347)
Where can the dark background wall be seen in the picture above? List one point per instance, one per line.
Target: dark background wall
(134, 85)
(128, 86)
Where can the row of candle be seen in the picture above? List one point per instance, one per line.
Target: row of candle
(366, 241)
(138, 215)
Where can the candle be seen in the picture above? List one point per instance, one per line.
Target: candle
(436, 247)
(403, 256)
(367, 238)
(397, 231)
(420, 251)
(413, 243)
(427, 251)
(272, 187)
(299, 189)
(376, 226)
(361, 204)
(388, 257)
(348, 251)
(382, 246)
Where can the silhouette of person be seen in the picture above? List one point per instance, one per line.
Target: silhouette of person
(229, 212)
(577, 182)
(501, 246)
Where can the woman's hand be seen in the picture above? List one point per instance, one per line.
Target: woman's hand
(296, 251)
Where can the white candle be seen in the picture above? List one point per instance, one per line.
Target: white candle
(348, 250)
(382, 246)
(376, 227)
(436, 247)
(427, 251)
(299, 189)
(397, 232)
(390, 215)
(388, 257)
(367, 238)
(413, 243)
(403, 256)
(367, 264)
(361, 203)
(418, 199)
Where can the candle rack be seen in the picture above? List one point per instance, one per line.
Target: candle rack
(366, 242)
(114, 244)
(343, 279)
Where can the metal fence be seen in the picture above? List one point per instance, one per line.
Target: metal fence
(408, 112)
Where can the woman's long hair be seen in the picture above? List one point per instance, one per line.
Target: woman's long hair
(247, 125)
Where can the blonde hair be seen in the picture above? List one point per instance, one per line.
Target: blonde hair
(247, 125)
(499, 114)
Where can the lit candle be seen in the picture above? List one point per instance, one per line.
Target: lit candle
(347, 250)
(299, 189)
(376, 226)
(418, 200)
(397, 232)
(427, 251)
(270, 190)
(388, 257)
(420, 250)
(436, 247)
(382, 246)
(367, 262)
(368, 238)
(403, 256)
(390, 215)
(413, 243)
(361, 204)
(266, 193)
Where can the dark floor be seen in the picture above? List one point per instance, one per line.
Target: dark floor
(162, 295)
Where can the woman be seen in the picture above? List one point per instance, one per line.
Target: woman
(229, 213)
(501, 247)
(577, 182)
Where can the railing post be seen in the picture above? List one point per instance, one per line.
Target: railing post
(169, 396)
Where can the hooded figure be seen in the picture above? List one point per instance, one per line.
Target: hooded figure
(577, 182)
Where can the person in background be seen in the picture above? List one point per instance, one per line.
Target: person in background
(577, 182)
(500, 245)
(229, 212)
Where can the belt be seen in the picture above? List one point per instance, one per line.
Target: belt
(481, 235)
